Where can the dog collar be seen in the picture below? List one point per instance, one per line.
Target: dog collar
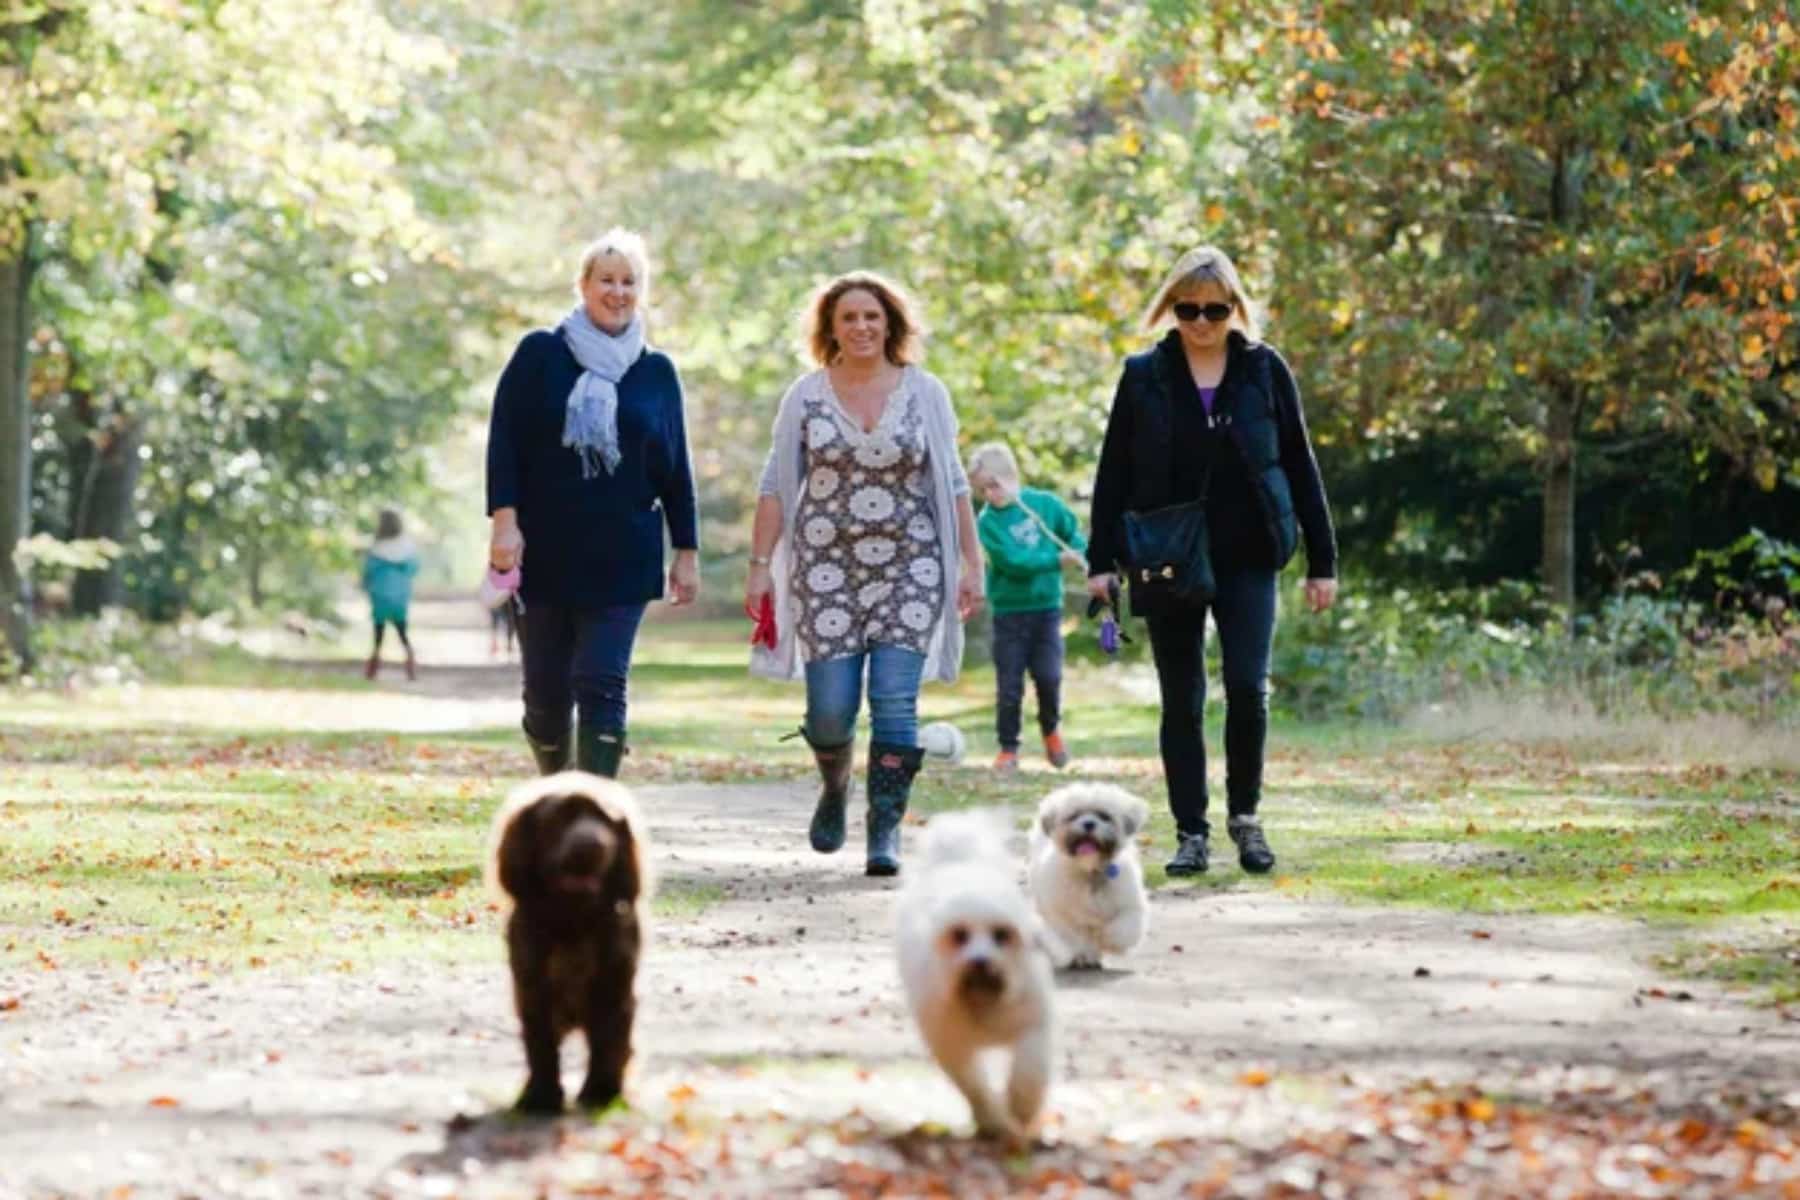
(1112, 870)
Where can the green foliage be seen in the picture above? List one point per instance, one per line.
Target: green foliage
(70, 655)
(1529, 233)
(251, 271)
(1754, 573)
(1527, 225)
(1387, 655)
(43, 555)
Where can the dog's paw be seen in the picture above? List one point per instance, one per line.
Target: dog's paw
(1085, 962)
(540, 1099)
(1010, 1137)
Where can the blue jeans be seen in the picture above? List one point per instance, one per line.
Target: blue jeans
(834, 693)
(1244, 612)
(576, 658)
(1027, 641)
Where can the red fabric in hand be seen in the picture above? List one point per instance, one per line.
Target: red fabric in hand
(764, 634)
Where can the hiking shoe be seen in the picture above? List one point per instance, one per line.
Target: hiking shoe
(1190, 856)
(1254, 854)
(1007, 762)
(1055, 751)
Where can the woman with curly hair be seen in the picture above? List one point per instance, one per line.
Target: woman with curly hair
(864, 539)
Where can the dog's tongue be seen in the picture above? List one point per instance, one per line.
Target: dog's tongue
(1088, 850)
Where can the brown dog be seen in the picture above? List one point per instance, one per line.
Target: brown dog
(568, 852)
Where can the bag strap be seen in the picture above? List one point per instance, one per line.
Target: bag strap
(1041, 524)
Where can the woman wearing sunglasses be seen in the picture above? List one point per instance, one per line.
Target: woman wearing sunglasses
(1206, 481)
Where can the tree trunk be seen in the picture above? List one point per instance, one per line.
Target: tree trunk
(255, 573)
(108, 496)
(15, 447)
(1559, 502)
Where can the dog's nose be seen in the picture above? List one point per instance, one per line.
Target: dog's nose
(1088, 825)
(982, 977)
(583, 853)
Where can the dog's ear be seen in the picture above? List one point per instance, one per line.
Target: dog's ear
(515, 857)
(1133, 812)
(625, 878)
(1048, 818)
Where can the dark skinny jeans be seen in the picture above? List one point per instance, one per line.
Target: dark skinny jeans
(576, 659)
(1244, 612)
(1027, 642)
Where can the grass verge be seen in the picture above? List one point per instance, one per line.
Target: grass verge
(246, 817)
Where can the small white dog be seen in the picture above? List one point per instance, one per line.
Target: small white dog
(976, 975)
(1085, 874)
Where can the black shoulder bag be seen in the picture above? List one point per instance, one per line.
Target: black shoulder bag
(1166, 554)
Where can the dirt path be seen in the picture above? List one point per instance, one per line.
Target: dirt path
(780, 996)
(1245, 1018)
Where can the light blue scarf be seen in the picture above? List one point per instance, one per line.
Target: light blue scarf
(591, 427)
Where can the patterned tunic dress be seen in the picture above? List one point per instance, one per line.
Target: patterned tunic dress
(866, 569)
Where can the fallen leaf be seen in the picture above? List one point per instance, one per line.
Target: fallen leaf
(1478, 1109)
(164, 1102)
(1255, 1077)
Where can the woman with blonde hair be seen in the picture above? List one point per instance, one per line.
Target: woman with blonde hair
(587, 461)
(1206, 482)
(864, 542)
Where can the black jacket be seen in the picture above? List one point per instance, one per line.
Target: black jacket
(590, 542)
(1263, 477)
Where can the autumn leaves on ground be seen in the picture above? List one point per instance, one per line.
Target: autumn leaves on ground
(244, 950)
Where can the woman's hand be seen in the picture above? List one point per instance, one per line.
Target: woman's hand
(970, 588)
(1320, 593)
(684, 577)
(506, 545)
(1100, 586)
(758, 584)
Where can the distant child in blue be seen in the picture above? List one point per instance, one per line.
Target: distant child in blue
(1028, 536)
(387, 576)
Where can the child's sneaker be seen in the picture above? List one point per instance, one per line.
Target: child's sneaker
(1055, 751)
(1007, 762)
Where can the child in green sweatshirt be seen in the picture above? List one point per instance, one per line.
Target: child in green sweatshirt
(1028, 535)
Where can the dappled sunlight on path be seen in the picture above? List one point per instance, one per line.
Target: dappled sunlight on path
(770, 1013)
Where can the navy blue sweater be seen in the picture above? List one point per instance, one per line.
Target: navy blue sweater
(599, 541)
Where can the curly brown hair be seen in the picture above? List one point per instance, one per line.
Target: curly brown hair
(903, 331)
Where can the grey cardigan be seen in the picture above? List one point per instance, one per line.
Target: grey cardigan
(781, 478)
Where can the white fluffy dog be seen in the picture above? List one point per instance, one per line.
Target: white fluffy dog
(1085, 874)
(976, 975)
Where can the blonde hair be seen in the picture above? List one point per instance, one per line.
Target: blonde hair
(1205, 264)
(995, 460)
(628, 245)
(903, 331)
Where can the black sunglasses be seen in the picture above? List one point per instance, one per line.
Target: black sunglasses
(1187, 310)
